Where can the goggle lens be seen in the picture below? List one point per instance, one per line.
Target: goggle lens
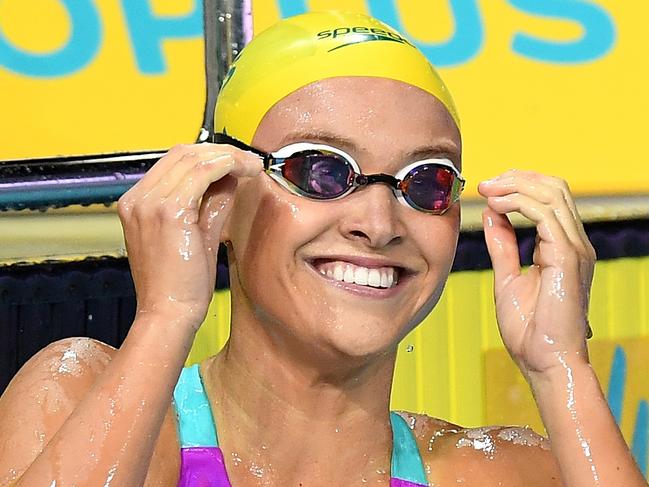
(429, 187)
(319, 174)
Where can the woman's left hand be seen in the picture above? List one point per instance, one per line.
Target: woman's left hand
(541, 312)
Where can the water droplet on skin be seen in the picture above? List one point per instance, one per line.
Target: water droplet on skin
(294, 210)
(185, 249)
(571, 406)
(410, 348)
(479, 439)
(111, 475)
(236, 459)
(256, 470)
(557, 290)
(524, 436)
(523, 317)
(548, 340)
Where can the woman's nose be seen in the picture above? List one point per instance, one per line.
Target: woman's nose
(372, 216)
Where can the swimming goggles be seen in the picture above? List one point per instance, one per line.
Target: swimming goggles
(322, 172)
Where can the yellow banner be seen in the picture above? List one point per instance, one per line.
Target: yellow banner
(557, 86)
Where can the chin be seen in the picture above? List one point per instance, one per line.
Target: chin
(361, 338)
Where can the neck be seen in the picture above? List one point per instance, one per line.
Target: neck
(292, 417)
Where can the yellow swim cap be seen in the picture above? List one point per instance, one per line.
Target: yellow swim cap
(307, 48)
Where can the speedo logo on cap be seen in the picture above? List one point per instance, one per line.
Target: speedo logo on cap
(355, 35)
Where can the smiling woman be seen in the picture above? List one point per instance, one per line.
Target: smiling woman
(335, 188)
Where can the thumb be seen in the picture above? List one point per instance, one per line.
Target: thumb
(214, 210)
(502, 246)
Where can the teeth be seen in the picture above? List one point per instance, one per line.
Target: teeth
(360, 275)
(349, 275)
(374, 278)
(384, 277)
(338, 273)
(385, 280)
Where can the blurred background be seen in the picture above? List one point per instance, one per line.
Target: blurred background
(556, 86)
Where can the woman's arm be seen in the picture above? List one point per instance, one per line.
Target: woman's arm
(172, 223)
(585, 438)
(542, 317)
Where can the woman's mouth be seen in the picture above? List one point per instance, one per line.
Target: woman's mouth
(371, 279)
(381, 277)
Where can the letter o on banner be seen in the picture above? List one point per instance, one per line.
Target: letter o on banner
(78, 51)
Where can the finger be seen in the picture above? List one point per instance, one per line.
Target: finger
(538, 187)
(502, 247)
(190, 190)
(563, 196)
(215, 207)
(562, 185)
(177, 153)
(554, 245)
(165, 163)
(183, 169)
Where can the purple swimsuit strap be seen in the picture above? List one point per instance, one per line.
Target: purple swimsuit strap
(203, 467)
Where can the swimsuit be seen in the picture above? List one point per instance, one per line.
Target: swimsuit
(202, 463)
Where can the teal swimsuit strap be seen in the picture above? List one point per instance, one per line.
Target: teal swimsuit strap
(196, 426)
(406, 460)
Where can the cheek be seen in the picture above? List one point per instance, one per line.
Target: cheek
(436, 237)
(269, 224)
(437, 241)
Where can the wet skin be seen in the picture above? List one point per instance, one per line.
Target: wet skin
(301, 391)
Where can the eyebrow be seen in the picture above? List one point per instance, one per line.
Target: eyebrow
(441, 148)
(322, 136)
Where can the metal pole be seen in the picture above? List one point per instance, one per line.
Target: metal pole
(228, 28)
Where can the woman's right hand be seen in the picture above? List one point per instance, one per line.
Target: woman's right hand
(172, 220)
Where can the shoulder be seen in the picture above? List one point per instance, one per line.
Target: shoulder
(69, 365)
(507, 456)
(46, 390)
(43, 394)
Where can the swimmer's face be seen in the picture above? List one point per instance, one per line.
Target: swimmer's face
(283, 242)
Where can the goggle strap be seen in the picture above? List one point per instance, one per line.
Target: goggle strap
(226, 139)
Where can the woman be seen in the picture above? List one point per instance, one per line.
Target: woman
(329, 270)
